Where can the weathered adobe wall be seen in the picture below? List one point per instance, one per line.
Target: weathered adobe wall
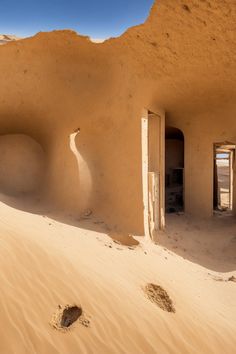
(201, 131)
(181, 60)
(22, 164)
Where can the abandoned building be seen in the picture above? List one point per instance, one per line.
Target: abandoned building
(133, 128)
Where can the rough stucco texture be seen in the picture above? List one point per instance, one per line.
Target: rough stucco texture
(181, 60)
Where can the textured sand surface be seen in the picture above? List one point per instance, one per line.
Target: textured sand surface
(45, 263)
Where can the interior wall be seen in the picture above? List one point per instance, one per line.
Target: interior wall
(201, 131)
(22, 165)
(178, 61)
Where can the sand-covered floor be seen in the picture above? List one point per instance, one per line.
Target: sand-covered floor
(46, 263)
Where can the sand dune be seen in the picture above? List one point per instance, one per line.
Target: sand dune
(6, 38)
(46, 263)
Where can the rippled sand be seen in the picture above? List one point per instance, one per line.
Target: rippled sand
(46, 264)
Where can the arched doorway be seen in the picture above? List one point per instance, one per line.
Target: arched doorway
(174, 170)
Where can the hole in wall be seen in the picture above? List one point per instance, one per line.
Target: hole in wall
(186, 8)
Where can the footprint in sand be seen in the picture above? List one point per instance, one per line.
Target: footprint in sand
(65, 316)
(159, 296)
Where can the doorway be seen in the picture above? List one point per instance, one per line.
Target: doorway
(224, 155)
(174, 170)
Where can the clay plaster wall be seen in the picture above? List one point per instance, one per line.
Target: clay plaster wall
(21, 164)
(201, 131)
(182, 60)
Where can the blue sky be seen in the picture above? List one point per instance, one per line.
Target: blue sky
(96, 18)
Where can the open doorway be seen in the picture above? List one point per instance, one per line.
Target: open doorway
(174, 170)
(224, 155)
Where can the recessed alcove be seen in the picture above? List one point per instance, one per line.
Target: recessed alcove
(21, 165)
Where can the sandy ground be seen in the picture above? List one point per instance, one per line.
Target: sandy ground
(46, 263)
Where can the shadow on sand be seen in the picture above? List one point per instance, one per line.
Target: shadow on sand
(210, 243)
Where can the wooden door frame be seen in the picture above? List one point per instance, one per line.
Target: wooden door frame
(148, 174)
(229, 148)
